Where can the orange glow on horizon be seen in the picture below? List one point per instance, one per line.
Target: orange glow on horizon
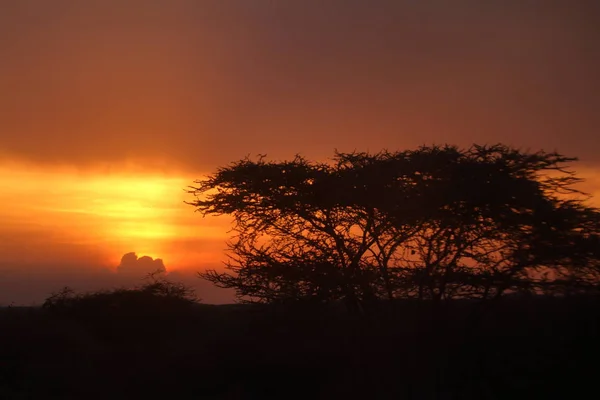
(84, 216)
(114, 213)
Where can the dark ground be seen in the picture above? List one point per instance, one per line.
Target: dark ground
(523, 348)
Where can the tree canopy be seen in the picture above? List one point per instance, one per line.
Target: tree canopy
(437, 222)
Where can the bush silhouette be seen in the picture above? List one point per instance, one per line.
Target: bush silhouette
(136, 313)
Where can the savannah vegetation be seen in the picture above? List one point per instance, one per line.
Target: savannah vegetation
(434, 273)
(435, 224)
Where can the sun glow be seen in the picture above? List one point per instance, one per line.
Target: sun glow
(116, 212)
(59, 215)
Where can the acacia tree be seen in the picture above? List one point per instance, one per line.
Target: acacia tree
(504, 220)
(431, 223)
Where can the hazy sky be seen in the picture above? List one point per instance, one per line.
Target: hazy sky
(109, 108)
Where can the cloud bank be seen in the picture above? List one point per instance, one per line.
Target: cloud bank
(195, 84)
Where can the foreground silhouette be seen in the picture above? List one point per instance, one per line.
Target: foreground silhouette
(435, 223)
(530, 347)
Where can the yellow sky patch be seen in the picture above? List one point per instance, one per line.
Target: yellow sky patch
(119, 213)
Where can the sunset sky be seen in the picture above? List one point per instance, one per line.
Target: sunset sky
(109, 109)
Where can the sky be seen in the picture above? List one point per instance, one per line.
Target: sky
(109, 109)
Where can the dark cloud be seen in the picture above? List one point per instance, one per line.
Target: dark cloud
(131, 265)
(202, 83)
(34, 264)
(24, 283)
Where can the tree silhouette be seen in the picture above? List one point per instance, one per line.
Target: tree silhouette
(433, 223)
